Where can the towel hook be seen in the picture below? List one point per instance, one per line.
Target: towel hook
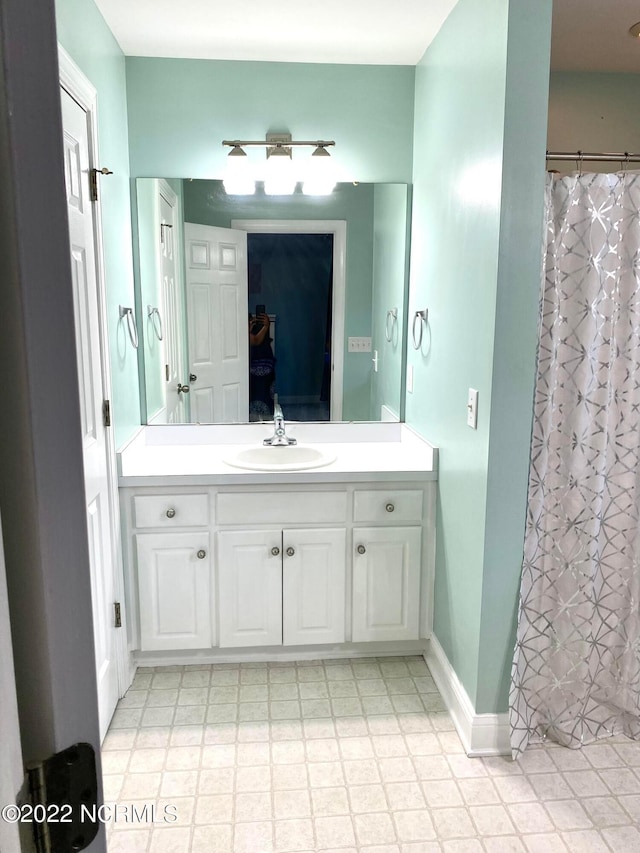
(423, 317)
(392, 314)
(156, 321)
(131, 325)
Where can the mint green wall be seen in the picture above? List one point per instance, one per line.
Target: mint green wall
(390, 261)
(181, 110)
(471, 264)
(593, 112)
(206, 203)
(86, 37)
(515, 342)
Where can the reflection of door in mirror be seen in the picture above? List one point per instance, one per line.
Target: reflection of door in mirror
(217, 313)
(292, 276)
(175, 403)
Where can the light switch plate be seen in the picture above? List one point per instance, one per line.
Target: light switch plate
(472, 409)
(359, 345)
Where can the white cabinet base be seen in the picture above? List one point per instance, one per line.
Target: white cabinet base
(174, 590)
(386, 583)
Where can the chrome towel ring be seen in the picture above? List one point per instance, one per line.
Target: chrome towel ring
(131, 325)
(156, 321)
(392, 315)
(423, 318)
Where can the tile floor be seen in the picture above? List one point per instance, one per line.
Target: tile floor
(354, 756)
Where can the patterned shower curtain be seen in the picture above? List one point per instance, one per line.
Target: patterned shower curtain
(576, 670)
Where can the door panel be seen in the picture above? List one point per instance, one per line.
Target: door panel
(174, 587)
(82, 234)
(217, 309)
(386, 583)
(314, 586)
(250, 588)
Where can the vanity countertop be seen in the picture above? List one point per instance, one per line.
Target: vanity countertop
(184, 455)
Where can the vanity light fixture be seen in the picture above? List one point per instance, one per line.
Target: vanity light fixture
(281, 176)
(635, 30)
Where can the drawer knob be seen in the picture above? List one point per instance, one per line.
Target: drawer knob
(202, 554)
(275, 551)
(389, 507)
(290, 551)
(361, 549)
(171, 513)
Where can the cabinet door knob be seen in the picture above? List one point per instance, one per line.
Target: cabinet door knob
(290, 551)
(275, 551)
(389, 507)
(202, 554)
(361, 549)
(171, 513)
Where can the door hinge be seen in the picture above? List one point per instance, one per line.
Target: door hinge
(93, 181)
(106, 413)
(166, 372)
(117, 615)
(65, 787)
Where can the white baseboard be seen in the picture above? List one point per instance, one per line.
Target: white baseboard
(481, 734)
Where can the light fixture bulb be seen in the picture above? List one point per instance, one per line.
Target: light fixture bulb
(238, 177)
(320, 176)
(635, 30)
(279, 176)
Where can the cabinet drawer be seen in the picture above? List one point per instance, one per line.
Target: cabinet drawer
(281, 507)
(392, 505)
(171, 510)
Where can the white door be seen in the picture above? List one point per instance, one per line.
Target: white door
(173, 320)
(174, 588)
(217, 309)
(386, 583)
(313, 586)
(250, 587)
(92, 381)
(11, 768)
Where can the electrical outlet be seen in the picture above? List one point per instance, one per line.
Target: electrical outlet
(472, 409)
(359, 345)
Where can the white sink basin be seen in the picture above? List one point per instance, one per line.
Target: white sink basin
(292, 457)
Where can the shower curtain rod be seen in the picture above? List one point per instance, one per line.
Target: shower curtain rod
(579, 156)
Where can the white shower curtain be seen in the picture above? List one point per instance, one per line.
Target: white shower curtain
(576, 670)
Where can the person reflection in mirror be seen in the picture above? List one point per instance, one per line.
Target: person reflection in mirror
(262, 372)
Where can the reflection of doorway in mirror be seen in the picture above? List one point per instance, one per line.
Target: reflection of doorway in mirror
(176, 406)
(294, 283)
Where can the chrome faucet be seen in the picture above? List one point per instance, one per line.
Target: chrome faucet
(279, 437)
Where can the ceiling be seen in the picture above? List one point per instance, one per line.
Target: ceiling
(592, 35)
(588, 35)
(357, 32)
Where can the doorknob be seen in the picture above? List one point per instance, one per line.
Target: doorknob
(183, 389)
(192, 377)
(361, 549)
(290, 551)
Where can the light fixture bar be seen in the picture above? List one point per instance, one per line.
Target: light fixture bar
(233, 143)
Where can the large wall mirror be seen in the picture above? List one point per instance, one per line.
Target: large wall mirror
(240, 298)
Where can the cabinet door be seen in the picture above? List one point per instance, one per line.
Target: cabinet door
(313, 594)
(175, 590)
(386, 583)
(250, 587)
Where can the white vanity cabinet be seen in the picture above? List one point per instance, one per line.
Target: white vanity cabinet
(233, 569)
(174, 590)
(281, 587)
(387, 564)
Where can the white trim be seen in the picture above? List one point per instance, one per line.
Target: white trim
(337, 227)
(280, 653)
(81, 90)
(481, 734)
